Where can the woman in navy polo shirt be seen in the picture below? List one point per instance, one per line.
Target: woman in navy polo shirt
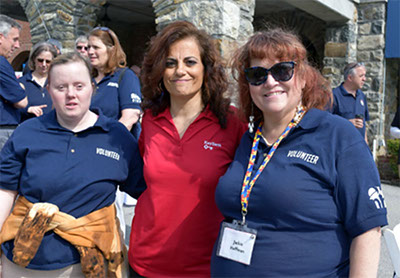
(117, 87)
(34, 82)
(302, 197)
(189, 137)
(70, 161)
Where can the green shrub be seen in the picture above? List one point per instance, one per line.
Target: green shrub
(393, 150)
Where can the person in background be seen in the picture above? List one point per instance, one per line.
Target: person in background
(12, 96)
(65, 168)
(189, 136)
(395, 131)
(34, 82)
(117, 88)
(349, 101)
(57, 45)
(81, 45)
(302, 197)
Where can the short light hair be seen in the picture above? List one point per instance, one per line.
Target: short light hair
(82, 39)
(350, 69)
(67, 58)
(6, 23)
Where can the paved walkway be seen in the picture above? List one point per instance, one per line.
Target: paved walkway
(392, 198)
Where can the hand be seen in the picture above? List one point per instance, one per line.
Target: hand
(358, 123)
(37, 110)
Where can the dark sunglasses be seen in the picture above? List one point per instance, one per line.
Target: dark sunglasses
(280, 72)
(40, 60)
(79, 47)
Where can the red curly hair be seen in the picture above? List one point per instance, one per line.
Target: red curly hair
(283, 46)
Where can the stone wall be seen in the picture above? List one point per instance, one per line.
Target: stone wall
(60, 20)
(370, 51)
(229, 21)
(361, 39)
(340, 49)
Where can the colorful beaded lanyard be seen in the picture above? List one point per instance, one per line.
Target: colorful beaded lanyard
(247, 184)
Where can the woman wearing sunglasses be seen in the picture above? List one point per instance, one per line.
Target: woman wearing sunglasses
(295, 201)
(34, 82)
(117, 92)
(189, 137)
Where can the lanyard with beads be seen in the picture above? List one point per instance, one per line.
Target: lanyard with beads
(247, 184)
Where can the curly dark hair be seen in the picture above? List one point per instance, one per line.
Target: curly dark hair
(282, 45)
(215, 83)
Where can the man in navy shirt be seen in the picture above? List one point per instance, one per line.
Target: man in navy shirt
(12, 96)
(349, 101)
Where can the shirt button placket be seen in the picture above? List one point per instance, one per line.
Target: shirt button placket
(72, 149)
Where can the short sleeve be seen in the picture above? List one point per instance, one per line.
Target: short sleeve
(11, 163)
(129, 90)
(359, 196)
(134, 185)
(10, 89)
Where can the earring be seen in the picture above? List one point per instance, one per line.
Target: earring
(251, 119)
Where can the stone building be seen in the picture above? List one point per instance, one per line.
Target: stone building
(334, 32)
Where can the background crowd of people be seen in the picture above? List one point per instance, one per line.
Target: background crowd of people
(268, 189)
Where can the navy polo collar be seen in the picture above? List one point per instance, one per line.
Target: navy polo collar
(312, 118)
(29, 76)
(108, 76)
(50, 121)
(344, 92)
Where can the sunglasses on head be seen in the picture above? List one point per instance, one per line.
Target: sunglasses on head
(351, 66)
(280, 72)
(80, 47)
(102, 28)
(105, 29)
(40, 60)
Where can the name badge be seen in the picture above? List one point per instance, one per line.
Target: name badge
(236, 242)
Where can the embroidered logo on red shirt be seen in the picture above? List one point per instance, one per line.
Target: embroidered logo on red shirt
(211, 145)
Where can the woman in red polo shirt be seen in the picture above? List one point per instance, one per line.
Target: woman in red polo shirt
(189, 137)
